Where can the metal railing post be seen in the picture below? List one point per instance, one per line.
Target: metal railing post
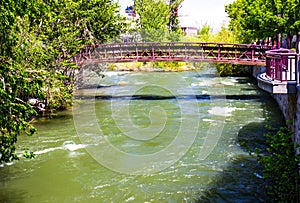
(297, 68)
(219, 51)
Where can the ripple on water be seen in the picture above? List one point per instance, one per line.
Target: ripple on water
(224, 111)
(67, 145)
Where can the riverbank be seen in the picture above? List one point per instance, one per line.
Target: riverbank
(152, 66)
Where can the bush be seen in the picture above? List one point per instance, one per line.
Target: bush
(281, 166)
(231, 70)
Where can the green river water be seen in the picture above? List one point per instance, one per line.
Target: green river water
(147, 137)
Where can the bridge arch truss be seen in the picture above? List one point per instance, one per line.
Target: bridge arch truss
(248, 54)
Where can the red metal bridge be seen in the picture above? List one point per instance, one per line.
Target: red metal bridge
(247, 54)
(281, 65)
(282, 72)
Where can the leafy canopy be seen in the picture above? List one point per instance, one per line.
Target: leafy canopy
(37, 39)
(158, 19)
(260, 19)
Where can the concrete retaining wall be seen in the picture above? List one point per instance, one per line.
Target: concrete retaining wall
(289, 104)
(297, 119)
(255, 70)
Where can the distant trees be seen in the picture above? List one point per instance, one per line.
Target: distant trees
(158, 19)
(37, 39)
(260, 19)
(205, 34)
(153, 14)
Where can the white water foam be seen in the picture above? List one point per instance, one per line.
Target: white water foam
(204, 92)
(208, 120)
(115, 73)
(228, 83)
(67, 145)
(102, 186)
(73, 147)
(223, 111)
(44, 151)
(130, 199)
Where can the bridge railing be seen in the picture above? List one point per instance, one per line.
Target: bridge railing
(281, 65)
(173, 51)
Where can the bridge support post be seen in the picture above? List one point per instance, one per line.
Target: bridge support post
(297, 68)
(219, 51)
(153, 54)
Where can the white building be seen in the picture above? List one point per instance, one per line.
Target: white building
(190, 31)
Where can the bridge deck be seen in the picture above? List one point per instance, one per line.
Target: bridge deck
(247, 54)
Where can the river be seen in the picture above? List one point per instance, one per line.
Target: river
(148, 137)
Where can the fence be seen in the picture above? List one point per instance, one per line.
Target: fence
(281, 65)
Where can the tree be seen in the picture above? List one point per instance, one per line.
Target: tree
(158, 19)
(260, 19)
(68, 26)
(236, 12)
(19, 79)
(204, 34)
(153, 14)
(174, 19)
(37, 39)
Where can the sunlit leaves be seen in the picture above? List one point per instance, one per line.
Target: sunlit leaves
(259, 19)
(281, 166)
(37, 39)
(157, 19)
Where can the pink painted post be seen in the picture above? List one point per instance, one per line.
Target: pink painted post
(153, 52)
(235, 54)
(136, 53)
(279, 39)
(121, 54)
(297, 65)
(90, 53)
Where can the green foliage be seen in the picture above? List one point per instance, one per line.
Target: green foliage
(153, 14)
(222, 36)
(37, 40)
(225, 36)
(231, 70)
(170, 66)
(157, 21)
(28, 154)
(204, 34)
(281, 166)
(260, 19)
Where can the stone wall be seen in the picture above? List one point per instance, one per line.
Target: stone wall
(297, 119)
(289, 104)
(255, 70)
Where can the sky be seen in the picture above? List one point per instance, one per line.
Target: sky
(196, 13)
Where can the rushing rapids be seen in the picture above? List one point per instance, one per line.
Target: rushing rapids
(64, 169)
